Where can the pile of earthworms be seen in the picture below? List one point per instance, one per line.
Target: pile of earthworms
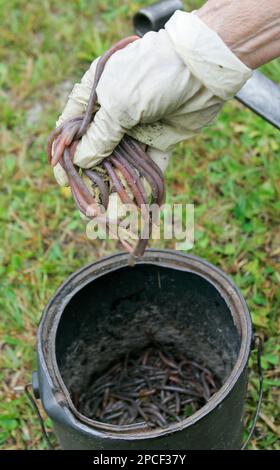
(154, 387)
(128, 163)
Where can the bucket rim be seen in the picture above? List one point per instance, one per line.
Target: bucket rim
(46, 336)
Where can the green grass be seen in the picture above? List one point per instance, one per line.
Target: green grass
(231, 172)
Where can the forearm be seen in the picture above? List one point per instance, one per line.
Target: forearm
(250, 28)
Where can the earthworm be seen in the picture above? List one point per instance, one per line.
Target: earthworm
(178, 403)
(145, 357)
(168, 412)
(205, 387)
(134, 175)
(141, 412)
(167, 361)
(124, 197)
(64, 140)
(55, 133)
(98, 72)
(155, 415)
(137, 147)
(80, 192)
(128, 158)
(173, 388)
(210, 380)
(145, 161)
(143, 170)
(99, 182)
(125, 170)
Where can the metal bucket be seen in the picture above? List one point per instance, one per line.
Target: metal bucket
(102, 311)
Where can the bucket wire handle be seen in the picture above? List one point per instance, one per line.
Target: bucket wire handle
(259, 344)
(30, 397)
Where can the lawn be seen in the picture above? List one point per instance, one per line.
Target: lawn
(231, 172)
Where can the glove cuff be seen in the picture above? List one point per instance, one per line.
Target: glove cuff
(206, 55)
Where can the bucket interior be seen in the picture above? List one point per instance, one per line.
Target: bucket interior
(111, 316)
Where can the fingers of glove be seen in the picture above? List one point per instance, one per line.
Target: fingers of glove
(198, 111)
(102, 137)
(79, 96)
(60, 175)
(136, 84)
(164, 135)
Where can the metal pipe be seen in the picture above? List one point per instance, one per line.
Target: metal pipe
(155, 16)
(262, 96)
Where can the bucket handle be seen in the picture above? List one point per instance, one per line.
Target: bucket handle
(31, 397)
(258, 344)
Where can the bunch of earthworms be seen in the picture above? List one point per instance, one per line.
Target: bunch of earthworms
(154, 387)
(128, 163)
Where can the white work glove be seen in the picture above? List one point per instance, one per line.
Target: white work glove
(161, 89)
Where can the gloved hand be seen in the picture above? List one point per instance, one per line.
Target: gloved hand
(161, 89)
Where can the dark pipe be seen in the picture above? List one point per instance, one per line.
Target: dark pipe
(259, 94)
(155, 16)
